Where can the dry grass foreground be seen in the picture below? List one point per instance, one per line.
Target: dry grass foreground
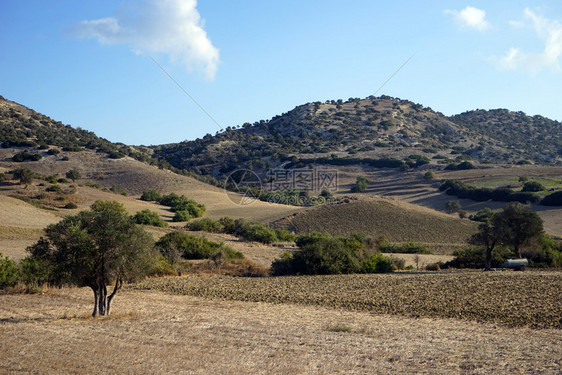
(153, 332)
(511, 298)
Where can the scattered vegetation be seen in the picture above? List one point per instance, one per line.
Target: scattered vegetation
(181, 244)
(461, 190)
(322, 254)
(242, 228)
(26, 156)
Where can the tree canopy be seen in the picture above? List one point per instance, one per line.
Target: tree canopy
(95, 248)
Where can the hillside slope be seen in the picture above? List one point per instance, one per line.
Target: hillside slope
(397, 221)
(375, 127)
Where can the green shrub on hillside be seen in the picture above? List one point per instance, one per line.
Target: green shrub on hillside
(190, 247)
(533, 186)
(554, 199)
(118, 190)
(378, 263)
(151, 195)
(181, 216)
(54, 188)
(148, 217)
(26, 156)
(205, 224)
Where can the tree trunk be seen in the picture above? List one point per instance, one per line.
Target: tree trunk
(488, 264)
(118, 284)
(517, 252)
(102, 302)
(96, 296)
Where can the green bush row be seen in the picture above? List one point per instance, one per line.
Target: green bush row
(459, 189)
(181, 244)
(242, 228)
(321, 254)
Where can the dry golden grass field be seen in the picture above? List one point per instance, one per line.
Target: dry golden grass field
(398, 221)
(158, 333)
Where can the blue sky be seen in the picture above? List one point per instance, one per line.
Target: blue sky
(89, 63)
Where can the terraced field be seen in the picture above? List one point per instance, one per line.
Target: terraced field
(530, 299)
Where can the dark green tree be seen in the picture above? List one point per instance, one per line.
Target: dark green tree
(73, 174)
(360, 185)
(487, 237)
(452, 206)
(95, 248)
(25, 175)
(516, 225)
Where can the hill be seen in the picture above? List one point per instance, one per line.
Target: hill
(397, 221)
(369, 129)
(23, 127)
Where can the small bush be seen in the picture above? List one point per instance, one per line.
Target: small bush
(161, 267)
(118, 190)
(205, 224)
(51, 179)
(284, 235)
(26, 156)
(62, 181)
(398, 263)
(181, 216)
(433, 266)
(148, 217)
(188, 246)
(53, 151)
(71, 206)
(378, 263)
(554, 199)
(151, 195)
(93, 185)
(53, 188)
(9, 272)
(428, 175)
(533, 186)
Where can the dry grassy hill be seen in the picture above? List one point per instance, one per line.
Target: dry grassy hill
(398, 221)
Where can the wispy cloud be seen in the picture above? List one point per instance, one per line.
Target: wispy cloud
(550, 34)
(172, 27)
(470, 17)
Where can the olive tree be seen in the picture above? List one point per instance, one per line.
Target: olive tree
(73, 174)
(514, 226)
(95, 248)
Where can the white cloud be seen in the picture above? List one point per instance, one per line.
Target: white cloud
(549, 32)
(470, 17)
(172, 27)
